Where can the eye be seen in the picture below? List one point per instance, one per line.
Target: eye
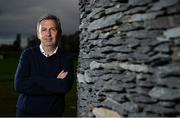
(53, 29)
(43, 29)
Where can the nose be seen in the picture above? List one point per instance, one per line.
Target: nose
(48, 33)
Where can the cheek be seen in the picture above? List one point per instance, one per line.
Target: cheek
(39, 35)
(55, 35)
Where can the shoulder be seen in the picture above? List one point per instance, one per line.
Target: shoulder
(29, 51)
(65, 54)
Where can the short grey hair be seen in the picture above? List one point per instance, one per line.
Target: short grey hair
(50, 17)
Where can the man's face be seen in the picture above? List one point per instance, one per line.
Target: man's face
(48, 33)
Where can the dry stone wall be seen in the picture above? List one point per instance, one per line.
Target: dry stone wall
(129, 61)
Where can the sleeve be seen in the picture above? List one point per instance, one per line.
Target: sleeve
(23, 81)
(40, 85)
(58, 86)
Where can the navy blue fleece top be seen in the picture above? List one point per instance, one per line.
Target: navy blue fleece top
(41, 93)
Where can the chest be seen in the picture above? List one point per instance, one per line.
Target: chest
(50, 66)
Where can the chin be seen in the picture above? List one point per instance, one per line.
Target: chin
(49, 44)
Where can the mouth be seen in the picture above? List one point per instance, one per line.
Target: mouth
(48, 39)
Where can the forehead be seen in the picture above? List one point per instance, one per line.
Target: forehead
(48, 22)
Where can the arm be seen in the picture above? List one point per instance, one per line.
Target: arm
(58, 85)
(39, 85)
(24, 83)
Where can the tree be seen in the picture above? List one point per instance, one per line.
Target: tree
(71, 43)
(32, 41)
(17, 43)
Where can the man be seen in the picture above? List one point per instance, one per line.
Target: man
(44, 73)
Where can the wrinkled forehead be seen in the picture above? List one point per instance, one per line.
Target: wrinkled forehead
(52, 18)
(48, 22)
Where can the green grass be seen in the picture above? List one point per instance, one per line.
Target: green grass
(8, 68)
(71, 102)
(8, 96)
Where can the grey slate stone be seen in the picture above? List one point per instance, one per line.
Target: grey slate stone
(115, 41)
(139, 58)
(177, 41)
(136, 10)
(142, 99)
(114, 105)
(120, 98)
(129, 85)
(172, 33)
(113, 86)
(163, 111)
(126, 59)
(96, 14)
(144, 16)
(163, 4)
(142, 114)
(135, 67)
(117, 57)
(160, 59)
(158, 23)
(177, 107)
(131, 26)
(168, 70)
(116, 8)
(146, 84)
(130, 107)
(104, 22)
(174, 9)
(163, 48)
(168, 104)
(139, 91)
(139, 2)
(165, 93)
(172, 82)
(132, 42)
(141, 34)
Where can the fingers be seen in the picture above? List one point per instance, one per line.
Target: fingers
(62, 74)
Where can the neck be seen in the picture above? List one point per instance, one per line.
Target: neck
(49, 49)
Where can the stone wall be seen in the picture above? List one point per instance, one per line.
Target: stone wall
(129, 61)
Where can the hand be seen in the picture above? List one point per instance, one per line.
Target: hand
(62, 74)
